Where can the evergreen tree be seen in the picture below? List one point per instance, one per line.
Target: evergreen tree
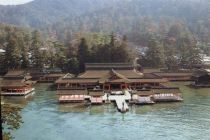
(171, 58)
(36, 57)
(60, 55)
(189, 52)
(12, 54)
(155, 53)
(120, 53)
(112, 49)
(73, 65)
(24, 57)
(24, 41)
(83, 54)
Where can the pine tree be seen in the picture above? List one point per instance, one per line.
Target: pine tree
(155, 53)
(24, 41)
(112, 49)
(189, 52)
(12, 54)
(24, 58)
(120, 53)
(36, 57)
(83, 54)
(171, 60)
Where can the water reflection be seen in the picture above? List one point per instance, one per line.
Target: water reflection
(20, 101)
(78, 107)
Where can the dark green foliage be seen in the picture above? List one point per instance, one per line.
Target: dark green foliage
(173, 23)
(137, 18)
(155, 53)
(171, 60)
(189, 52)
(40, 13)
(112, 52)
(82, 54)
(36, 56)
(12, 55)
(24, 42)
(73, 65)
(10, 119)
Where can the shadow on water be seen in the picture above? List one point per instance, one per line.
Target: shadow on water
(52, 87)
(143, 109)
(91, 109)
(72, 108)
(20, 101)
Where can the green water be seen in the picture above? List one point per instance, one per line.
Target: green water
(45, 119)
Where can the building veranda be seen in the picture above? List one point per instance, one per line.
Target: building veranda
(109, 77)
(16, 83)
(112, 79)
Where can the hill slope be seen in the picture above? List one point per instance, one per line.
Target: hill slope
(42, 12)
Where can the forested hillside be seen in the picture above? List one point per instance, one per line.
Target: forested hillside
(142, 16)
(28, 49)
(173, 33)
(39, 13)
(130, 17)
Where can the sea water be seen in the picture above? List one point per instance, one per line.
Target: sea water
(45, 119)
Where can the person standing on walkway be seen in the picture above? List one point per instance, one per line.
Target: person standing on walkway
(123, 105)
(107, 96)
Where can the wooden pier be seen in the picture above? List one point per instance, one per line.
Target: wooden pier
(120, 101)
(121, 104)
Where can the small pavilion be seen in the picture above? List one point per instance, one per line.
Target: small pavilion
(16, 82)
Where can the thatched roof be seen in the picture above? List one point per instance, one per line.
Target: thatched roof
(171, 74)
(101, 73)
(76, 80)
(16, 78)
(162, 80)
(15, 73)
(54, 75)
(108, 66)
(114, 77)
(201, 72)
(12, 83)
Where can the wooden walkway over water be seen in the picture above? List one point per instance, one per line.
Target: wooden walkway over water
(120, 101)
